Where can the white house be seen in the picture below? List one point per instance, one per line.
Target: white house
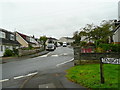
(116, 36)
(7, 41)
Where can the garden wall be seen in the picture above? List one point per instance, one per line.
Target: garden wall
(78, 55)
(27, 52)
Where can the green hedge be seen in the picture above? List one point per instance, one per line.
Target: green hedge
(8, 53)
(110, 47)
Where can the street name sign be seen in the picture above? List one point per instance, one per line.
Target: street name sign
(111, 60)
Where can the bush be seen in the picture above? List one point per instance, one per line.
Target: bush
(83, 43)
(8, 53)
(30, 47)
(99, 50)
(15, 51)
(105, 47)
(110, 47)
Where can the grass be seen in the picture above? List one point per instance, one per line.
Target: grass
(89, 75)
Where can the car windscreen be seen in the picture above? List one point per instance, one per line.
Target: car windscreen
(50, 45)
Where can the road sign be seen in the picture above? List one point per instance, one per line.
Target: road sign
(111, 60)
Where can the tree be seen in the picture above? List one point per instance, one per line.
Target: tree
(77, 37)
(86, 31)
(43, 39)
(100, 33)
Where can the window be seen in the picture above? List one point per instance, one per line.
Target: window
(1, 48)
(2, 34)
(12, 37)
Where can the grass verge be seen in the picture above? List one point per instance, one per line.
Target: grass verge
(89, 75)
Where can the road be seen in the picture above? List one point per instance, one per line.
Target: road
(15, 74)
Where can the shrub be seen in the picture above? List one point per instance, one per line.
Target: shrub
(15, 51)
(110, 47)
(99, 50)
(30, 47)
(105, 47)
(83, 43)
(8, 52)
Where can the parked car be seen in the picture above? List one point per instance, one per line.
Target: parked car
(50, 47)
(64, 44)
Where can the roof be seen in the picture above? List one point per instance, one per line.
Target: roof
(68, 38)
(117, 28)
(3, 30)
(51, 38)
(26, 38)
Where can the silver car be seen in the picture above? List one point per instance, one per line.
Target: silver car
(50, 47)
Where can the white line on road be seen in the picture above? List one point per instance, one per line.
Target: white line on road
(31, 74)
(65, 62)
(46, 86)
(3, 80)
(18, 77)
(54, 56)
(45, 55)
(64, 54)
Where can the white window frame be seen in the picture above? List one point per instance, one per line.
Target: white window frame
(12, 37)
(2, 34)
(1, 48)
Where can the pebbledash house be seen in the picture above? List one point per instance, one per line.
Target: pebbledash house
(7, 41)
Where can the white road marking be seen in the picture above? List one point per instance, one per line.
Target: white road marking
(31, 74)
(18, 77)
(3, 80)
(54, 55)
(45, 55)
(65, 62)
(46, 86)
(64, 54)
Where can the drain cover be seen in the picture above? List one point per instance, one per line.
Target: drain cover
(49, 85)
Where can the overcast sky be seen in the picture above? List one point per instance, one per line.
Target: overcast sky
(54, 18)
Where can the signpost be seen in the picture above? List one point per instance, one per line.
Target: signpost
(101, 72)
(109, 61)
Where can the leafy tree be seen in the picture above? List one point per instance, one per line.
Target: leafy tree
(43, 39)
(77, 37)
(99, 34)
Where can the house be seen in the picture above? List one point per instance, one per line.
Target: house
(116, 36)
(85, 39)
(66, 39)
(25, 40)
(8, 41)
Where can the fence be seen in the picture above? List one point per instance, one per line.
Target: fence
(89, 54)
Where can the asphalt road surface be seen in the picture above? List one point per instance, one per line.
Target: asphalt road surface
(48, 71)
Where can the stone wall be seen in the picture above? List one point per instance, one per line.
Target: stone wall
(27, 52)
(78, 56)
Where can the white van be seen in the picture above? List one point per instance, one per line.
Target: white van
(64, 44)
